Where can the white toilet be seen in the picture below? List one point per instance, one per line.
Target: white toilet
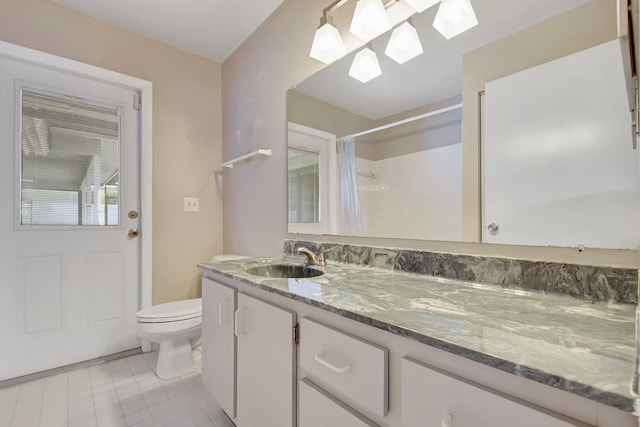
(175, 326)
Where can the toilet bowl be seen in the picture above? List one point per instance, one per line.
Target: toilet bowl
(173, 326)
(176, 328)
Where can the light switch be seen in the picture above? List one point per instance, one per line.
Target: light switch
(191, 204)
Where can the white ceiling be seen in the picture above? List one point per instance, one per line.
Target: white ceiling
(213, 29)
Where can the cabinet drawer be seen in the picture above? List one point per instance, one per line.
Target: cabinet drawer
(348, 367)
(430, 398)
(319, 409)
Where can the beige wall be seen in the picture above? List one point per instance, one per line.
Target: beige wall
(307, 111)
(186, 128)
(425, 134)
(256, 78)
(443, 129)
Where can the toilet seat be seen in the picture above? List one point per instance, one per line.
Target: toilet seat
(171, 311)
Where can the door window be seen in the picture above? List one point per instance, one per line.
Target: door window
(69, 161)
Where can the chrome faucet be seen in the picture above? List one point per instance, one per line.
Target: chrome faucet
(313, 259)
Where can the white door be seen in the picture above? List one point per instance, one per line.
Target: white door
(559, 167)
(69, 171)
(266, 364)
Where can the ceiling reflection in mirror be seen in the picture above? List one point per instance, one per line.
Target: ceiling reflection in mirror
(407, 124)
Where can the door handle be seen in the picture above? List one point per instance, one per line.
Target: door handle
(133, 233)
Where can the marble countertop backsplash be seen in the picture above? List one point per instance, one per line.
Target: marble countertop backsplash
(590, 283)
(581, 340)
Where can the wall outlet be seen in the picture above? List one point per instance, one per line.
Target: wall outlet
(191, 204)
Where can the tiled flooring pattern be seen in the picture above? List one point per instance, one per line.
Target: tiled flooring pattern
(123, 392)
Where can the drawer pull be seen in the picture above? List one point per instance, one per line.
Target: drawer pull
(220, 320)
(446, 421)
(321, 360)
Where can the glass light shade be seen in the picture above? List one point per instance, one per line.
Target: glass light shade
(327, 44)
(404, 44)
(421, 5)
(454, 17)
(365, 66)
(370, 19)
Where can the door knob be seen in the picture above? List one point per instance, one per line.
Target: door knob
(133, 233)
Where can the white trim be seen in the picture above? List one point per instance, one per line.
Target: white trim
(145, 87)
(328, 186)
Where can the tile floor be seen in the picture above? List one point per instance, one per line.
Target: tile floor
(123, 392)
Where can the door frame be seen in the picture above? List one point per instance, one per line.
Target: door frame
(58, 63)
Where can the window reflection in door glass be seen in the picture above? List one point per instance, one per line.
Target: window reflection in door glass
(304, 186)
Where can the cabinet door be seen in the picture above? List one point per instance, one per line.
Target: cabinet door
(432, 399)
(319, 409)
(219, 343)
(266, 366)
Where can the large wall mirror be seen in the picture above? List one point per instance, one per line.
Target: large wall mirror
(517, 131)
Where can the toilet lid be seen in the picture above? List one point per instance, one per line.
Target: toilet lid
(171, 311)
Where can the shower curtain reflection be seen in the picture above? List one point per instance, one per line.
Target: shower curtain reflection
(351, 219)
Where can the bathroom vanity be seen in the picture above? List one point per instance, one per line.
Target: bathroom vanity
(367, 346)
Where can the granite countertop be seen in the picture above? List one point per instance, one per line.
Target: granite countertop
(573, 345)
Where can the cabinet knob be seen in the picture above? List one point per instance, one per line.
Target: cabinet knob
(493, 227)
(447, 420)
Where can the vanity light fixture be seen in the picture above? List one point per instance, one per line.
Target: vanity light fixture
(404, 43)
(421, 5)
(454, 17)
(370, 19)
(365, 66)
(327, 43)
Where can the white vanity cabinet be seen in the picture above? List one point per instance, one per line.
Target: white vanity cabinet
(432, 398)
(248, 357)
(347, 373)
